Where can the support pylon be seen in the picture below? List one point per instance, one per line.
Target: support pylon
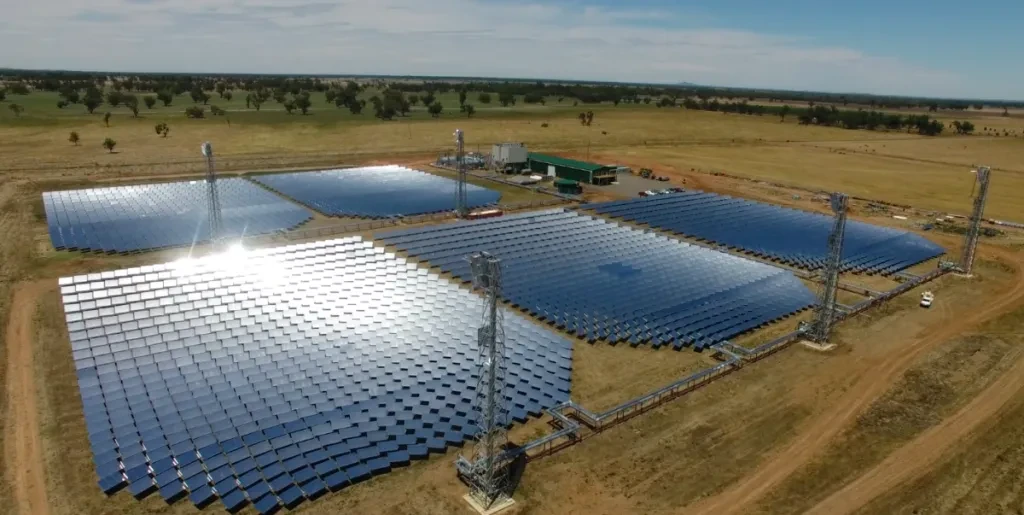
(486, 471)
(826, 308)
(974, 229)
(212, 198)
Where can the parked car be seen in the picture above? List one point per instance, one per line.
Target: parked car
(676, 190)
(663, 179)
(926, 299)
(644, 194)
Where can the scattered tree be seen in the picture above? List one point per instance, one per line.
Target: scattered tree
(109, 144)
(91, 103)
(221, 88)
(506, 99)
(217, 111)
(3, 95)
(462, 96)
(533, 98)
(198, 95)
(414, 99)
(114, 98)
(73, 138)
(18, 88)
(469, 110)
(165, 96)
(385, 112)
(583, 118)
(303, 102)
(106, 119)
(16, 109)
(356, 106)
(149, 100)
(195, 112)
(783, 112)
(1006, 111)
(647, 100)
(132, 103)
(70, 95)
(963, 127)
(61, 104)
(280, 96)
(428, 99)
(435, 109)
(484, 98)
(227, 95)
(289, 106)
(159, 128)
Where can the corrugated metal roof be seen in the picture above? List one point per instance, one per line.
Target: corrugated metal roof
(566, 182)
(568, 163)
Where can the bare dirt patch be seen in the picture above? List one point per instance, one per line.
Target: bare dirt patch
(885, 369)
(22, 447)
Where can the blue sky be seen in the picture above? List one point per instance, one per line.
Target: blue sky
(906, 47)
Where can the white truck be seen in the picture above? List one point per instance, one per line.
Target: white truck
(926, 299)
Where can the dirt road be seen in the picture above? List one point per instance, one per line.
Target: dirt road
(23, 447)
(918, 456)
(816, 435)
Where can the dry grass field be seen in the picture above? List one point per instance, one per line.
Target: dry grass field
(778, 436)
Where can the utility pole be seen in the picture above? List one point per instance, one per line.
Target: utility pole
(974, 229)
(825, 311)
(212, 198)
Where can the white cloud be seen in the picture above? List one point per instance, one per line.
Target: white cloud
(497, 38)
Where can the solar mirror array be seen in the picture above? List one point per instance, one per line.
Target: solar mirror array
(269, 377)
(374, 192)
(152, 216)
(790, 236)
(600, 280)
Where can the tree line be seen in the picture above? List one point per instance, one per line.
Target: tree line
(826, 116)
(532, 91)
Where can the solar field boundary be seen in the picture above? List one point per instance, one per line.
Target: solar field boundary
(799, 272)
(553, 320)
(696, 215)
(90, 215)
(359, 172)
(303, 252)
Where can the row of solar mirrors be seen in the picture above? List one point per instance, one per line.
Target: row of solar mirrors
(125, 219)
(790, 236)
(267, 377)
(603, 281)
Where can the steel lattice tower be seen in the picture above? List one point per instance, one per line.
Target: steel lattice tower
(461, 205)
(825, 310)
(487, 469)
(212, 198)
(974, 229)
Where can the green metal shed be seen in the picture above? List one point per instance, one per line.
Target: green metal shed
(568, 186)
(563, 168)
